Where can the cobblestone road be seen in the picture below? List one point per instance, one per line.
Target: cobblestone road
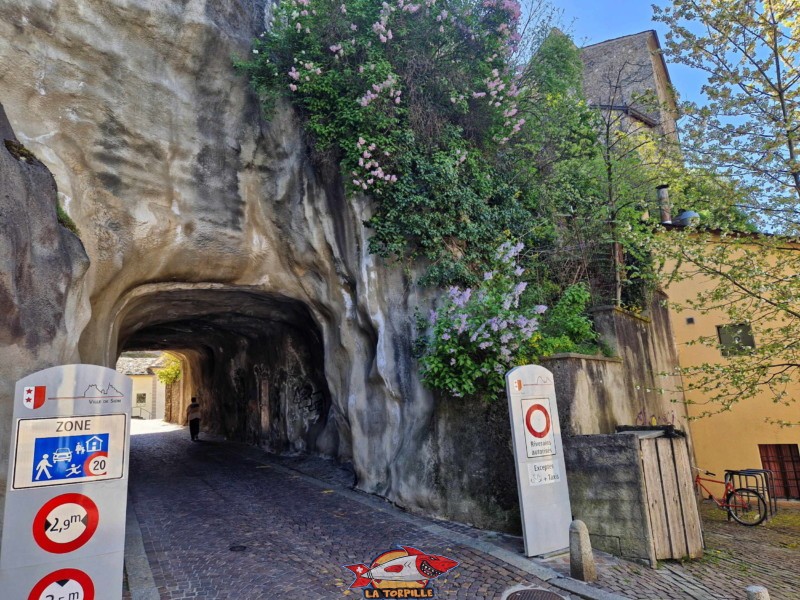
(194, 501)
(735, 557)
(300, 522)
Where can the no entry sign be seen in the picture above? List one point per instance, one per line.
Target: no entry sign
(64, 519)
(539, 459)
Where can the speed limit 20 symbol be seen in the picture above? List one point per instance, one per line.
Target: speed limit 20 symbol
(96, 464)
(538, 426)
(65, 523)
(64, 583)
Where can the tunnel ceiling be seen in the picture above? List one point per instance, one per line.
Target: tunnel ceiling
(191, 318)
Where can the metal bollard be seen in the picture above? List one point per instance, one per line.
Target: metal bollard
(757, 592)
(581, 559)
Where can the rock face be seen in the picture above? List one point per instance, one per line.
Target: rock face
(42, 265)
(209, 233)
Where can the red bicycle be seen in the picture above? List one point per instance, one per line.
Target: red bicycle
(745, 505)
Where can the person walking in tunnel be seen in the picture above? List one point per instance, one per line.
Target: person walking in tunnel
(193, 415)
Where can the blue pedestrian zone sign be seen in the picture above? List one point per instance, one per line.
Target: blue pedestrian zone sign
(71, 457)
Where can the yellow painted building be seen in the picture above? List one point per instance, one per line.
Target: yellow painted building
(149, 394)
(739, 438)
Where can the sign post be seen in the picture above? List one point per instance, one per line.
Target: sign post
(539, 459)
(64, 519)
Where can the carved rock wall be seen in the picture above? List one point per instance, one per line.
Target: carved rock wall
(42, 266)
(209, 232)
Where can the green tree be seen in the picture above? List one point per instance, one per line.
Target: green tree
(748, 128)
(744, 138)
(171, 371)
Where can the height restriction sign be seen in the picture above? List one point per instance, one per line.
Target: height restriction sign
(64, 517)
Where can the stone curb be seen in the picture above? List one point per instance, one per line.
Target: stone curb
(140, 577)
(552, 577)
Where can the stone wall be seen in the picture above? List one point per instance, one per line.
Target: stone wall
(637, 387)
(596, 395)
(607, 492)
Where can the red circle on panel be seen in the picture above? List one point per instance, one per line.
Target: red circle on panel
(41, 523)
(96, 464)
(79, 577)
(529, 422)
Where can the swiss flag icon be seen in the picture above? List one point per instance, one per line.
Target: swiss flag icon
(34, 396)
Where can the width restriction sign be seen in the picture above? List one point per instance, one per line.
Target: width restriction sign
(50, 453)
(65, 523)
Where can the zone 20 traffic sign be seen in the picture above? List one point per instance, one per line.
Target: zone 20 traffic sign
(64, 517)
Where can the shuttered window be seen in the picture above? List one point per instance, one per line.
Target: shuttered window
(784, 462)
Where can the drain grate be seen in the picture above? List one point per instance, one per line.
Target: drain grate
(535, 595)
(237, 548)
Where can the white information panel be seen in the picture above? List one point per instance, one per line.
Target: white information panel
(64, 519)
(539, 459)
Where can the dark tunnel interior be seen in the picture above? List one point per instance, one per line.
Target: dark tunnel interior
(255, 361)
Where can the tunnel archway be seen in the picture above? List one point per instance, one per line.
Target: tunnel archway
(254, 360)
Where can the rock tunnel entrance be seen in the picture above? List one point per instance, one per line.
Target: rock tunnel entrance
(254, 360)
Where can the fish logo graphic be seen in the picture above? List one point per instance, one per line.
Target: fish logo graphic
(403, 568)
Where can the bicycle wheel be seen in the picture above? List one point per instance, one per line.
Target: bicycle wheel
(746, 506)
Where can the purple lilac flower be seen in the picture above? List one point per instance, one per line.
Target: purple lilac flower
(485, 345)
(488, 275)
(462, 322)
(539, 309)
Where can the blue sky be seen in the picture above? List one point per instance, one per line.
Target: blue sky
(591, 21)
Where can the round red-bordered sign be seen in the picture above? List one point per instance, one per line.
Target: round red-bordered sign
(96, 464)
(55, 524)
(529, 421)
(81, 579)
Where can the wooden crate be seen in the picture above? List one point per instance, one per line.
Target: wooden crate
(672, 504)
